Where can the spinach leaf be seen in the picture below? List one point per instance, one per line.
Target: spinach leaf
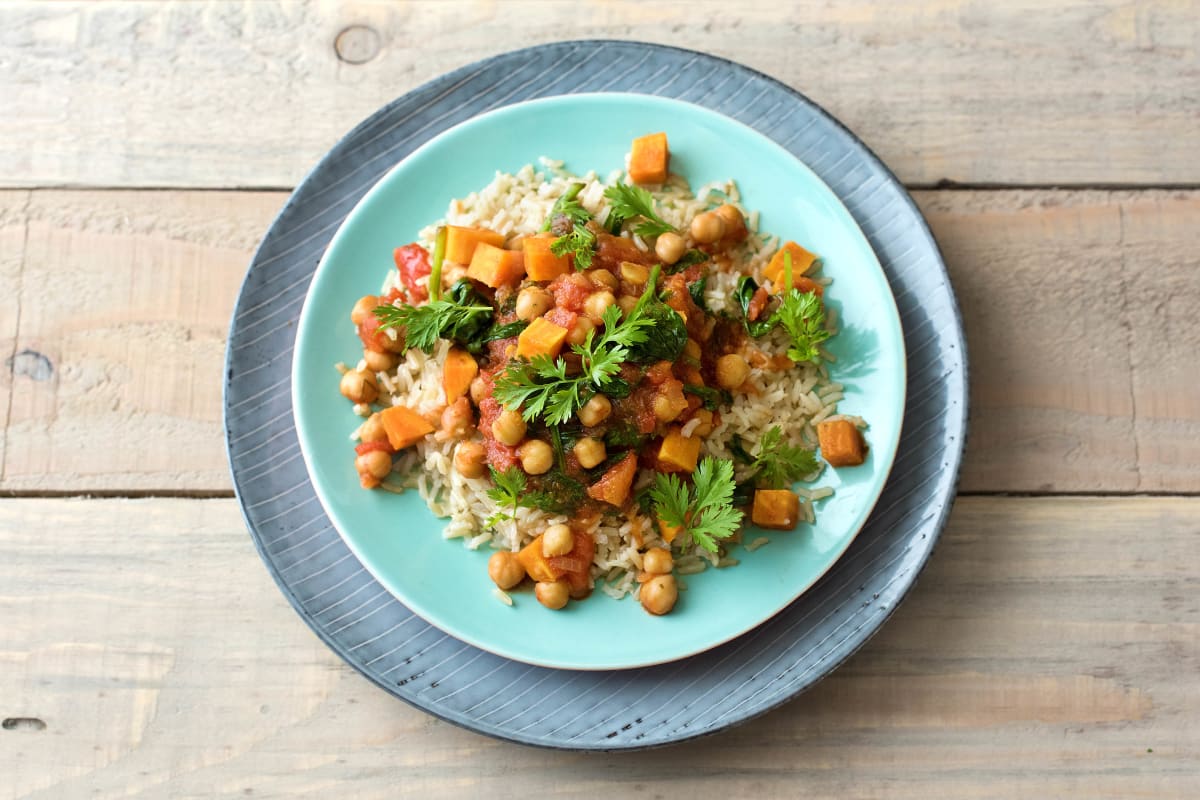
(689, 259)
(744, 293)
(713, 398)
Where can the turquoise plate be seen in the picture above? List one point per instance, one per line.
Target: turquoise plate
(399, 540)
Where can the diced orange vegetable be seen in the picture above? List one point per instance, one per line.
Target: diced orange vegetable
(669, 532)
(802, 262)
(536, 565)
(461, 242)
(460, 369)
(542, 337)
(842, 443)
(404, 427)
(678, 452)
(648, 159)
(496, 266)
(540, 263)
(775, 508)
(613, 486)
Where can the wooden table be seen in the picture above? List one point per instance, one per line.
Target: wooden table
(1051, 648)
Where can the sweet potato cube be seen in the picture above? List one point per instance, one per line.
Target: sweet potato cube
(778, 509)
(669, 532)
(678, 452)
(842, 444)
(496, 266)
(536, 565)
(542, 337)
(613, 486)
(540, 263)
(461, 242)
(802, 262)
(404, 427)
(460, 369)
(648, 159)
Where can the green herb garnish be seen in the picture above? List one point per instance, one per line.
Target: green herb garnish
(626, 201)
(541, 388)
(689, 259)
(567, 206)
(435, 268)
(510, 491)
(704, 510)
(712, 398)
(778, 465)
(437, 319)
(802, 315)
(580, 243)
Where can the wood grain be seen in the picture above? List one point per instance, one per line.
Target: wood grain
(1079, 309)
(148, 638)
(250, 94)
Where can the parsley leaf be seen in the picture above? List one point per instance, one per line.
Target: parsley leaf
(437, 319)
(509, 488)
(580, 242)
(705, 511)
(778, 465)
(542, 388)
(567, 206)
(626, 201)
(803, 317)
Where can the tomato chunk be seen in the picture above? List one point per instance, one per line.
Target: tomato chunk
(412, 261)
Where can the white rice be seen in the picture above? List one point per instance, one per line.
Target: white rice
(795, 398)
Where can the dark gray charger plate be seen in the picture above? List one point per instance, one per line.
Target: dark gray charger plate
(626, 709)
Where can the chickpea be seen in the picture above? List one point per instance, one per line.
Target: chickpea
(359, 387)
(705, 427)
(372, 430)
(380, 362)
(732, 371)
(733, 219)
(579, 331)
(392, 340)
(470, 459)
(458, 419)
(590, 451)
(532, 302)
(478, 390)
(595, 411)
(627, 302)
(602, 277)
(707, 227)
(597, 303)
(664, 409)
(363, 308)
(692, 349)
(509, 428)
(375, 463)
(657, 561)
(552, 595)
(505, 570)
(634, 273)
(536, 457)
(658, 595)
(670, 247)
(557, 540)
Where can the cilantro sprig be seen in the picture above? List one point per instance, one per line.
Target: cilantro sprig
(579, 240)
(626, 202)
(437, 319)
(778, 465)
(802, 315)
(541, 388)
(704, 511)
(510, 492)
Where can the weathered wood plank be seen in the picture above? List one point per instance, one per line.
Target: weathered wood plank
(1079, 307)
(13, 207)
(250, 94)
(164, 662)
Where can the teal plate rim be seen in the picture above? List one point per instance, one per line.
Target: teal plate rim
(602, 633)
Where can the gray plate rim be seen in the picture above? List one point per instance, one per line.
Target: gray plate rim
(952, 453)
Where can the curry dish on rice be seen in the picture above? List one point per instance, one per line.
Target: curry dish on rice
(601, 378)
